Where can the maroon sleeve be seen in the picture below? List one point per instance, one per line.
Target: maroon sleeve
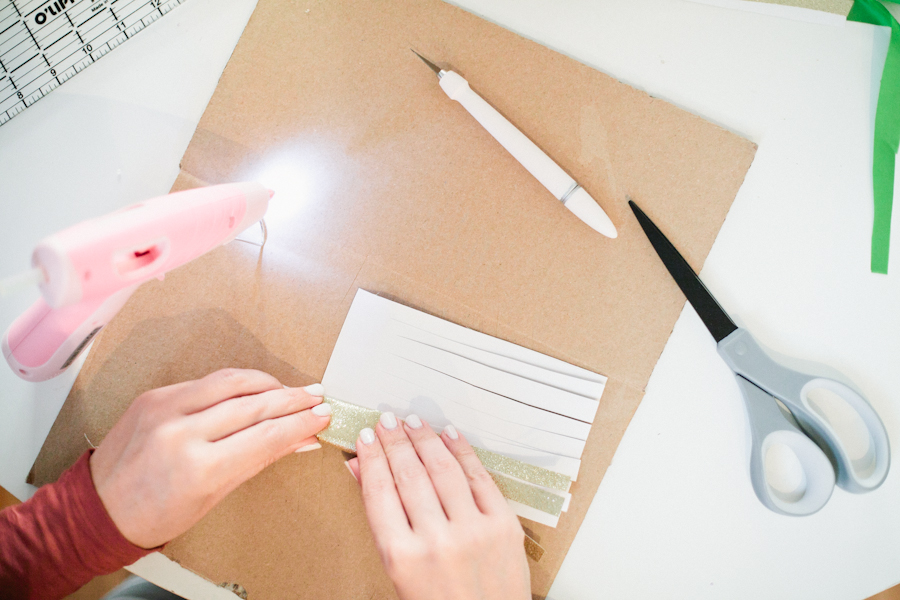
(59, 540)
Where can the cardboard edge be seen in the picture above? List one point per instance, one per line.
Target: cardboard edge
(779, 10)
(186, 181)
(164, 572)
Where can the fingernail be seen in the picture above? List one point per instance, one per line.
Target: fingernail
(388, 420)
(367, 436)
(322, 410)
(315, 446)
(316, 389)
(414, 421)
(450, 430)
(347, 464)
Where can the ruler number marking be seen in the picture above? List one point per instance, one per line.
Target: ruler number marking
(95, 38)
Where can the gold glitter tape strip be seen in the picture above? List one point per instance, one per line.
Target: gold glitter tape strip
(523, 471)
(347, 420)
(529, 495)
(533, 550)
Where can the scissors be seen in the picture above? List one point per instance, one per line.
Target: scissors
(796, 455)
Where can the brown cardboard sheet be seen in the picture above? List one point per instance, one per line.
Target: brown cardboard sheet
(838, 7)
(405, 195)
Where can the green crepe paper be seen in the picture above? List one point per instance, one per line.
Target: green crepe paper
(887, 128)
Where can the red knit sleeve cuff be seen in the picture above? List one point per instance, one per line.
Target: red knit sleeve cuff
(59, 540)
(101, 540)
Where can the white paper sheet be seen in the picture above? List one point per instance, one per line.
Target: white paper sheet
(502, 397)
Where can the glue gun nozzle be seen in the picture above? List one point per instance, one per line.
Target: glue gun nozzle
(22, 281)
(431, 65)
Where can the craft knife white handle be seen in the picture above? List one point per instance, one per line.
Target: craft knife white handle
(558, 182)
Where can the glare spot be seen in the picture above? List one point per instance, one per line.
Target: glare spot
(293, 185)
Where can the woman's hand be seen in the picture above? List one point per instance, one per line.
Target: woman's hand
(178, 450)
(441, 526)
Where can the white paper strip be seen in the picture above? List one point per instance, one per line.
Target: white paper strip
(476, 339)
(449, 401)
(533, 514)
(413, 378)
(513, 387)
(588, 386)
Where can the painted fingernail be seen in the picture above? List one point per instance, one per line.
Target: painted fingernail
(347, 464)
(414, 421)
(450, 430)
(321, 410)
(316, 389)
(315, 446)
(367, 436)
(388, 420)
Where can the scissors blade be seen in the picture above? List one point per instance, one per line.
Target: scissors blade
(716, 320)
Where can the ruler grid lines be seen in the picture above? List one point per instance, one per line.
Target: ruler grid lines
(44, 43)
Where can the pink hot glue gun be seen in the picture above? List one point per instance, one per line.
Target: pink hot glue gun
(90, 270)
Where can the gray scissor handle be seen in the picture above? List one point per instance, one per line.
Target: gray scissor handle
(770, 432)
(854, 474)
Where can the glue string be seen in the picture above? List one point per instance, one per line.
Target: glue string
(887, 129)
(517, 480)
(265, 233)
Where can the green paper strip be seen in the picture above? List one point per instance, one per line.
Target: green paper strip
(347, 420)
(887, 129)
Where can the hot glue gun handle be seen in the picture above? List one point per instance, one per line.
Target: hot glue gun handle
(44, 342)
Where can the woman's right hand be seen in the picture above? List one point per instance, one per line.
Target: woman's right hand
(441, 526)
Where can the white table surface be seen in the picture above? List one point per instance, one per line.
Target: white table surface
(675, 516)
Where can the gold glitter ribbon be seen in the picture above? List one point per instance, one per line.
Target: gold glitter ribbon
(533, 550)
(521, 470)
(529, 495)
(347, 420)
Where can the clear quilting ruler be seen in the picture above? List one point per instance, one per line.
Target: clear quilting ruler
(45, 42)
